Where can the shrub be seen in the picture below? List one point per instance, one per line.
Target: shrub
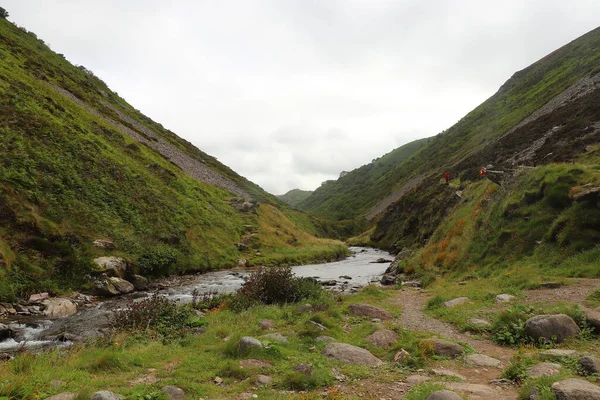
(435, 302)
(160, 260)
(517, 368)
(509, 327)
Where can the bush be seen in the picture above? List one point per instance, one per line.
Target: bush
(160, 260)
(509, 327)
(517, 368)
(435, 302)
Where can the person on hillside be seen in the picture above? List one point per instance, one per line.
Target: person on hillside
(483, 172)
(447, 177)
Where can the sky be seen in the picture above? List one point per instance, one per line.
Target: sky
(289, 93)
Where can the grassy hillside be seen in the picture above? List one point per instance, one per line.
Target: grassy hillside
(295, 196)
(78, 163)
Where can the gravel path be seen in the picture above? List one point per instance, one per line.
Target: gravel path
(576, 292)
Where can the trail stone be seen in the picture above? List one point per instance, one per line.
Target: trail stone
(589, 364)
(63, 396)
(59, 307)
(173, 392)
(543, 369)
(105, 395)
(575, 389)
(368, 310)
(444, 348)
(383, 338)
(325, 339)
(351, 354)
(5, 332)
(443, 395)
(139, 282)
(551, 326)
(104, 244)
(263, 379)
(446, 372)
(557, 353)
(253, 363)
(484, 391)
(504, 298)
(481, 360)
(249, 343)
(305, 369)
(267, 324)
(276, 337)
(112, 266)
(416, 379)
(455, 302)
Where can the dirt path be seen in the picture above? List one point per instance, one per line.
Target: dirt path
(576, 292)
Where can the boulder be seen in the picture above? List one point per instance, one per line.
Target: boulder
(444, 348)
(368, 310)
(112, 286)
(455, 302)
(266, 324)
(139, 282)
(388, 279)
(173, 392)
(575, 389)
(443, 395)
(383, 338)
(350, 354)
(38, 297)
(543, 369)
(248, 343)
(556, 327)
(104, 244)
(253, 363)
(557, 353)
(276, 337)
(63, 396)
(589, 365)
(59, 307)
(5, 332)
(105, 395)
(481, 360)
(305, 369)
(593, 319)
(504, 298)
(112, 266)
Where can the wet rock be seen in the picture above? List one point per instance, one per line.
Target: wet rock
(350, 354)
(22, 310)
(139, 282)
(447, 373)
(276, 337)
(59, 307)
(263, 379)
(173, 392)
(7, 309)
(112, 266)
(304, 308)
(347, 277)
(330, 282)
(381, 261)
(105, 395)
(556, 327)
(253, 363)
(104, 244)
(249, 343)
(5, 332)
(112, 286)
(267, 324)
(504, 298)
(383, 338)
(543, 369)
(481, 360)
(305, 369)
(455, 302)
(443, 395)
(444, 348)
(88, 324)
(589, 365)
(63, 396)
(417, 379)
(557, 353)
(472, 389)
(38, 297)
(388, 279)
(575, 389)
(368, 310)
(325, 339)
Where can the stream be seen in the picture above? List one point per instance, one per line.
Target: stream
(36, 333)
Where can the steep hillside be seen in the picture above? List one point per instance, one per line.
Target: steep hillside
(78, 163)
(295, 196)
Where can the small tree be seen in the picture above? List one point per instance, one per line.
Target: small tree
(3, 13)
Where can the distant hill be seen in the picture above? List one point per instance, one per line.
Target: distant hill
(294, 196)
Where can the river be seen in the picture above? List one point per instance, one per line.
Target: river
(350, 274)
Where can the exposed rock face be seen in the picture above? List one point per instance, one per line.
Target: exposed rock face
(455, 302)
(383, 338)
(351, 354)
(104, 244)
(444, 348)
(173, 393)
(139, 282)
(368, 310)
(575, 389)
(551, 327)
(589, 364)
(59, 307)
(481, 360)
(112, 266)
(444, 395)
(249, 343)
(543, 369)
(112, 286)
(504, 298)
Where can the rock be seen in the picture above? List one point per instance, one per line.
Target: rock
(589, 365)
(368, 310)
(401, 355)
(350, 354)
(241, 246)
(414, 283)
(38, 297)
(543, 369)
(266, 324)
(59, 307)
(104, 244)
(218, 380)
(252, 363)
(504, 298)
(443, 395)
(446, 372)
(444, 348)
(575, 389)
(276, 337)
(592, 317)
(105, 395)
(383, 338)
(88, 324)
(5, 357)
(381, 261)
(557, 353)
(112, 266)
(112, 286)
(248, 343)
(479, 322)
(63, 396)
(556, 327)
(5, 332)
(173, 393)
(241, 262)
(244, 206)
(501, 382)
(139, 282)
(483, 391)
(305, 369)
(325, 339)
(263, 379)
(7, 309)
(317, 325)
(304, 308)
(481, 360)
(388, 279)
(330, 282)
(455, 302)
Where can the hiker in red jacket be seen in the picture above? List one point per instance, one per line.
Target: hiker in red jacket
(483, 172)
(447, 177)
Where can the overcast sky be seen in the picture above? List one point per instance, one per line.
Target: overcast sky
(290, 92)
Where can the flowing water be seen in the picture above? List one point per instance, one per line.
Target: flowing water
(349, 274)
